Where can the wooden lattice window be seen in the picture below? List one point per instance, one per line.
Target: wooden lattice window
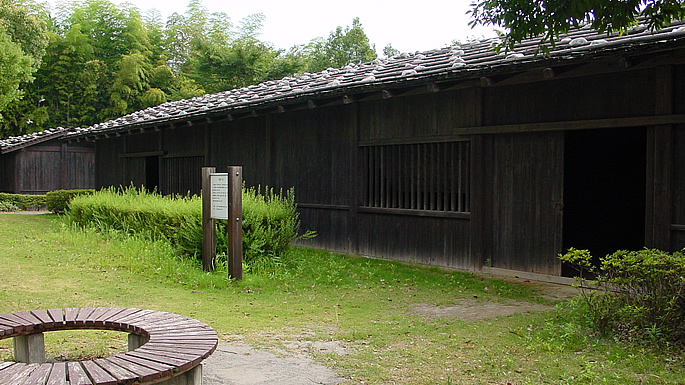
(423, 176)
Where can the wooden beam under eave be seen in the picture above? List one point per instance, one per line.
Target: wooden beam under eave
(433, 87)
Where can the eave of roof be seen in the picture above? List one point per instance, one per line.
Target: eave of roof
(473, 60)
(15, 143)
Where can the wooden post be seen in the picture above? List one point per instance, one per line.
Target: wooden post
(208, 223)
(235, 222)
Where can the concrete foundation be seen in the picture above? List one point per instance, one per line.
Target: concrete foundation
(30, 348)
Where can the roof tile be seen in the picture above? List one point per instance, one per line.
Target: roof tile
(459, 61)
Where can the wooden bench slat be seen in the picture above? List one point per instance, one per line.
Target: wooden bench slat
(143, 372)
(102, 319)
(122, 375)
(203, 352)
(132, 318)
(99, 375)
(70, 314)
(95, 314)
(16, 322)
(177, 363)
(169, 349)
(77, 376)
(58, 375)
(83, 314)
(6, 330)
(167, 352)
(164, 369)
(183, 332)
(30, 318)
(19, 374)
(39, 376)
(8, 370)
(44, 317)
(114, 320)
(57, 315)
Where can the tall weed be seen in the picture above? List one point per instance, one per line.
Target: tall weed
(270, 220)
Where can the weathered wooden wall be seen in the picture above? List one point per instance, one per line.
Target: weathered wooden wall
(49, 166)
(514, 204)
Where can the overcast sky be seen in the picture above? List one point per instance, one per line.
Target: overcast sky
(409, 25)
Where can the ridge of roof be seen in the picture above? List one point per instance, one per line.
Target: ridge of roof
(13, 143)
(463, 60)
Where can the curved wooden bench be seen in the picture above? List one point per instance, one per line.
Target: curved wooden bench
(164, 347)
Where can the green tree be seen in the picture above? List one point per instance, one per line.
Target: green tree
(343, 46)
(550, 18)
(390, 51)
(131, 81)
(22, 44)
(16, 68)
(113, 31)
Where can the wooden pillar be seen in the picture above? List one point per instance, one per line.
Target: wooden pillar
(235, 222)
(208, 223)
(63, 166)
(355, 181)
(660, 152)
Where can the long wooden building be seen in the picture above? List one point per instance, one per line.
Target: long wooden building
(40, 162)
(458, 157)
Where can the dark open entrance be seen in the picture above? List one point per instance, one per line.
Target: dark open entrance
(152, 173)
(604, 191)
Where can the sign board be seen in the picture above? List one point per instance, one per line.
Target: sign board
(219, 195)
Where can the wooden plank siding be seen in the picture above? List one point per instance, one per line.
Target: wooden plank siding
(678, 185)
(509, 214)
(677, 228)
(526, 202)
(48, 166)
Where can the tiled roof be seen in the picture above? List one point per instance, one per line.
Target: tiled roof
(473, 59)
(17, 142)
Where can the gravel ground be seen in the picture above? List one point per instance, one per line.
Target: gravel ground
(240, 364)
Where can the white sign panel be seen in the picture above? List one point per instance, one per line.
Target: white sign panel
(219, 183)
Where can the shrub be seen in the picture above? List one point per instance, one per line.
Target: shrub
(641, 294)
(8, 206)
(24, 201)
(58, 201)
(270, 221)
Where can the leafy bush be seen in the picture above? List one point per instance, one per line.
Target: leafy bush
(8, 206)
(58, 201)
(24, 201)
(270, 222)
(640, 294)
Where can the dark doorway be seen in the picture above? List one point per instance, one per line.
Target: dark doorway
(604, 191)
(152, 173)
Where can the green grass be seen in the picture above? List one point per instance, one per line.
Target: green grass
(313, 296)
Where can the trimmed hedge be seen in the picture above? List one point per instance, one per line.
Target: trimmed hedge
(270, 221)
(23, 201)
(58, 201)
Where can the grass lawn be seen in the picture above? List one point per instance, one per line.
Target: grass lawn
(364, 306)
